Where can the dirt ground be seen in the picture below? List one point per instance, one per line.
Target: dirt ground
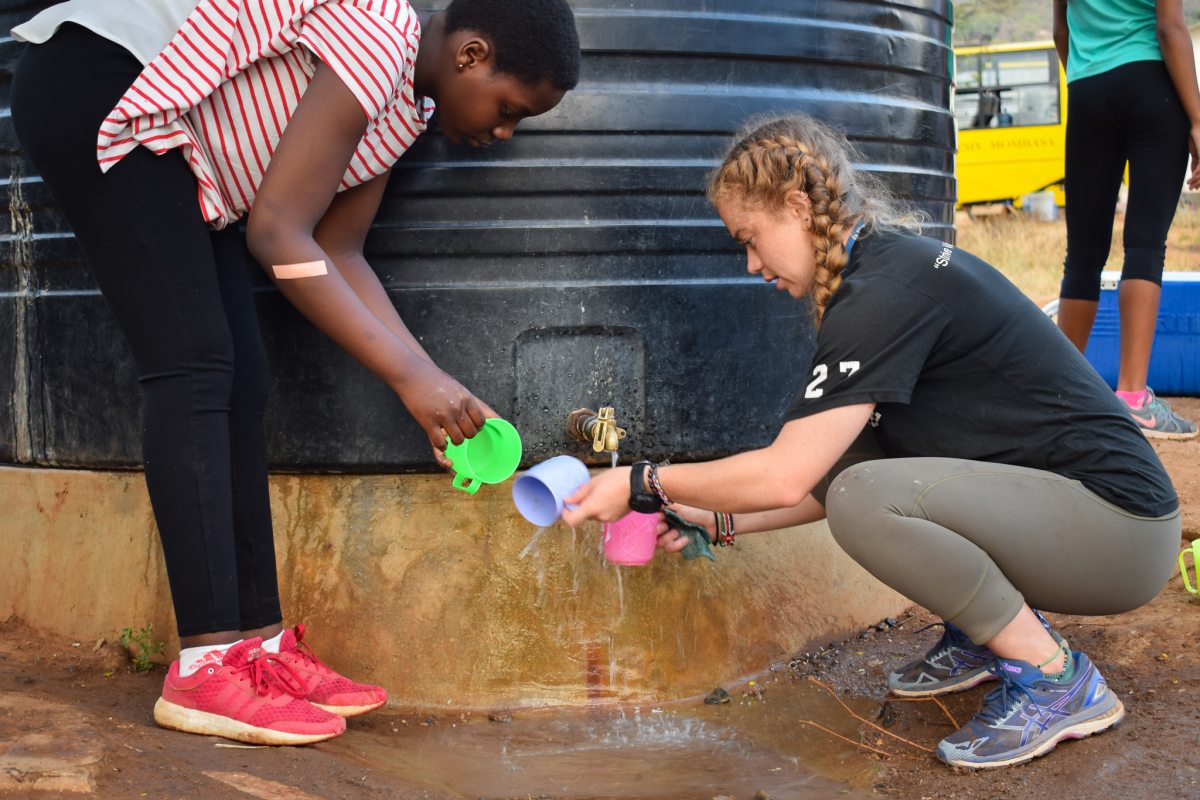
(75, 719)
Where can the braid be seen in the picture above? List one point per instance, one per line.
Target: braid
(829, 226)
(798, 153)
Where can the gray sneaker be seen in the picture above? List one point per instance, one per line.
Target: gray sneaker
(954, 664)
(1157, 420)
(1028, 714)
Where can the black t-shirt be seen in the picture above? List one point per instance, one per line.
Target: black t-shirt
(962, 365)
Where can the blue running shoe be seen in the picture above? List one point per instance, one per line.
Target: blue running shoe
(1027, 715)
(954, 664)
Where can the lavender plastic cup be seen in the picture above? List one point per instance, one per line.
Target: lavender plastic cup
(539, 493)
(630, 541)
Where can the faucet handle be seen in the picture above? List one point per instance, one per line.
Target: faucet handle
(605, 433)
(598, 427)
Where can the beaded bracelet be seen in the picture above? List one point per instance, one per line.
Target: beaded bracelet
(652, 478)
(725, 531)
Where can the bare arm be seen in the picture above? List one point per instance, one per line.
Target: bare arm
(341, 233)
(1062, 34)
(297, 214)
(1176, 44)
(806, 511)
(779, 476)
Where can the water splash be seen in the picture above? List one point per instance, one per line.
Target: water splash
(692, 751)
(533, 540)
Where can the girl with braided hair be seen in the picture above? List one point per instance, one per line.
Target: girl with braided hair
(961, 449)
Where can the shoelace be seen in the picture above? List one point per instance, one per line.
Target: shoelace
(294, 682)
(268, 682)
(306, 652)
(951, 637)
(1152, 398)
(997, 703)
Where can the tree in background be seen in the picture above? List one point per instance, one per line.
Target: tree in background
(1000, 21)
(996, 21)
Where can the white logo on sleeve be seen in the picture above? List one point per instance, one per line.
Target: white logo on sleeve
(943, 257)
(821, 373)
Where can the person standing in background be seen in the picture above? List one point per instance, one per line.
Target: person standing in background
(1133, 98)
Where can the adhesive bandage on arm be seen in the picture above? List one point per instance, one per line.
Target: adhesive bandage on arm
(308, 269)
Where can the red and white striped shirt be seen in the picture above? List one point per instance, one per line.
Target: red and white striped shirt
(223, 89)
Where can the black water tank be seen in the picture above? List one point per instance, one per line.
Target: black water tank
(577, 265)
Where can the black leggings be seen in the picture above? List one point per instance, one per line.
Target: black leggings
(182, 296)
(1130, 113)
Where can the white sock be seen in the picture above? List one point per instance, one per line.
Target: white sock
(272, 645)
(193, 658)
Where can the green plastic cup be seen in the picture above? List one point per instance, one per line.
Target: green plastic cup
(490, 456)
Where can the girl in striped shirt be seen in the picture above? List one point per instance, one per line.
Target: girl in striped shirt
(156, 124)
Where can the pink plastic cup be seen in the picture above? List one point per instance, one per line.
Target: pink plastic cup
(630, 541)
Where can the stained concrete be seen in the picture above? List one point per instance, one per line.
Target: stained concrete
(46, 746)
(406, 582)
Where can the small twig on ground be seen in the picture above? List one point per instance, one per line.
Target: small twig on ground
(937, 700)
(847, 739)
(233, 746)
(866, 721)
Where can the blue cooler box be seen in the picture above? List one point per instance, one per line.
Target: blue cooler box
(1175, 360)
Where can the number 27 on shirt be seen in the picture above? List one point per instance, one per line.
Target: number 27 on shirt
(821, 373)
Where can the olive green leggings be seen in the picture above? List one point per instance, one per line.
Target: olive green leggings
(971, 540)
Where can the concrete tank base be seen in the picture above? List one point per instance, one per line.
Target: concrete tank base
(406, 582)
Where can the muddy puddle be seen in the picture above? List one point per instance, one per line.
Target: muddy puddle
(753, 744)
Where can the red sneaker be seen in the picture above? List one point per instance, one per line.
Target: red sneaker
(245, 698)
(326, 689)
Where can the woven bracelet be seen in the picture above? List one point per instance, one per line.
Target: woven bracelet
(652, 477)
(725, 531)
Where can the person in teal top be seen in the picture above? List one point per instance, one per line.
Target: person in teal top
(1105, 34)
(1133, 99)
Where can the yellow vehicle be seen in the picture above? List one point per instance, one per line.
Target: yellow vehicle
(1011, 107)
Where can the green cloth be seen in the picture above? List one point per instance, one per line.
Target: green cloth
(1105, 34)
(697, 537)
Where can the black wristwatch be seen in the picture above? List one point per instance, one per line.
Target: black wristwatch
(641, 497)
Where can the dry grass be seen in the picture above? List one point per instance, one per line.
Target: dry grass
(1031, 253)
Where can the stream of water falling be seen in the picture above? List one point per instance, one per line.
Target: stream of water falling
(533, 540)
(682, 750)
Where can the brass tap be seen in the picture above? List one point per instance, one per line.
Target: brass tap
(599, 428)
